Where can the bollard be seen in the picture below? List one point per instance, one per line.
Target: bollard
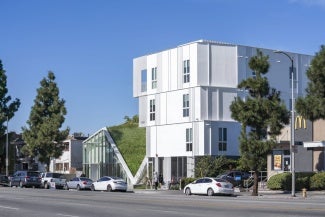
(304, 192)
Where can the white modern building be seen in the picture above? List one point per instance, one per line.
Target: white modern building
(184, 97)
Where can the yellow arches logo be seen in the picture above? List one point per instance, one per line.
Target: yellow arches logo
(300, 122)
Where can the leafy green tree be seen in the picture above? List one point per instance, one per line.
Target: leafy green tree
(312, 106)
(203, 166)
(212, 166)
(262, 116)
(43, 136)
(7, 111)
(135, 119)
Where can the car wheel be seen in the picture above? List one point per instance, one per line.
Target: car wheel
(210, 192)
(78, 188)
(109, 188)
(188, 191)
(92, 187)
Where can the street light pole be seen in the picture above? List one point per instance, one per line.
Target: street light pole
(7, 160)
(292, 154)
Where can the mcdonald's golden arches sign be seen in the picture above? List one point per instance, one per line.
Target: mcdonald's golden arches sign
(300, 122)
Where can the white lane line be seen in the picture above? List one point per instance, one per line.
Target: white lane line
(8, 207)
(59, 214)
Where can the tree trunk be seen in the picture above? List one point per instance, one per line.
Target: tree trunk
(255, 186)
(48, 161)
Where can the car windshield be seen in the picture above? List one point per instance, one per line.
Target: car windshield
(86, 179)
(57, 175)
(219, 180)
(116, 178)
(33, 174)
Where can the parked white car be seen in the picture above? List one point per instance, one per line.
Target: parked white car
(209, 186)
(109, 183)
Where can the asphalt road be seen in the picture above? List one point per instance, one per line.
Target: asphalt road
(17, 202)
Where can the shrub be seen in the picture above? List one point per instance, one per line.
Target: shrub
(282, 181)
(317, 181)
(186, 181)
(303, 180)
(279, 181)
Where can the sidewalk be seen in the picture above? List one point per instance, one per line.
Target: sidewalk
(262, 193)
(284, 194)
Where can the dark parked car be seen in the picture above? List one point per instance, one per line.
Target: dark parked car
(4, 180)
(26, 179)
(238, 178)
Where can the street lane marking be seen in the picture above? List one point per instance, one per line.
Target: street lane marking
(9, 207)
(59, 214)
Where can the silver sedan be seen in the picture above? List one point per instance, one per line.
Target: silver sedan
(79, 183)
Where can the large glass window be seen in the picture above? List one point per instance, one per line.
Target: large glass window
(222, 139)
(186, 105)
(154, 78)
(189, 143)
(143, 80)
(178, 168)
(152, 110)
(100, 159)
(186, 71)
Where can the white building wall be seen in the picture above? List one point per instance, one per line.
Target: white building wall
(174, 67)
(223, 66)
(139, 64)
(215, 71)
(203, 64)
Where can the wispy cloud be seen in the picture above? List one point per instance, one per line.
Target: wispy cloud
(309, 3)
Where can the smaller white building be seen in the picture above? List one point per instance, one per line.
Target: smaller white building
(71, 159)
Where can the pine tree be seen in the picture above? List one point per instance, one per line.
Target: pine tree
(43, 136)
(6, 111)
(263, 113)
(312, 106)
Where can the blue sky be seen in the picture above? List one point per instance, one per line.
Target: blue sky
(90, 45)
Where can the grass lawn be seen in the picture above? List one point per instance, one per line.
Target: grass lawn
(131, 141)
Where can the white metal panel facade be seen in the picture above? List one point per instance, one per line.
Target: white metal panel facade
(215, 71)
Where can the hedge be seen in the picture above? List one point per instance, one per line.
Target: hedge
(317, 181)
(283, 182)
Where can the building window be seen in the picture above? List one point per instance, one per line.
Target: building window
(66, 167)
(222, 139)
(186, 105)
(186, 71)
(66, 146)
(143, 80)
(189, 144)
(152, 110)
(154, 78)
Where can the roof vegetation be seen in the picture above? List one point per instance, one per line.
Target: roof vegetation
(131, 142)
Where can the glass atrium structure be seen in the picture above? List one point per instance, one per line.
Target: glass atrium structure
(102, 158)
